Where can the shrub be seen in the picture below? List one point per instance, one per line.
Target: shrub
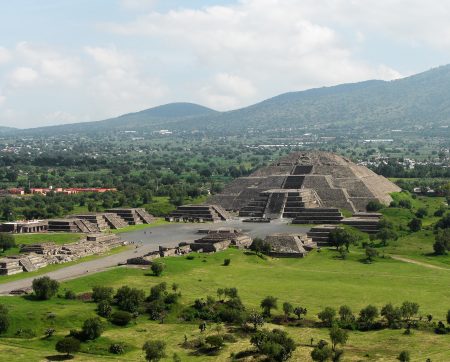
(226, 262)
(6, 241)
(267, 304)
(158, 268)
(260, 246)
(129, 299)
(68, 345)
(4, 319)
(69, 294)
(404, 356)
(415, 225)
(154, 350)
(421, 213)
(44, 288)
(117, 348)
(121, 318)
(275, 344)
(92, 329)
(442, 243)
(327, 316)
(374, 205)
(367, 317)
(100, 293)
(215, 341)
(405, 204)
(104, 309)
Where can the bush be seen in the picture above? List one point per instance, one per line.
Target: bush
(100, 293)
(129, 299)
(260, 246)
(327, 316)
(7, 241)
(226, 262)
(121, 318)
(215, 341)
(104, 309)
(442, 243)
(154, 350)
(117, 348)
(158, 268)
(275, 344)
(70, 295)
(415, 225)
(68, 345)
(92, 329)
(4, 319)
(374, 205)
(404, 356)
(44, 288)
(405, 204)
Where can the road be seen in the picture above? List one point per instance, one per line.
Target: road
(149, 240)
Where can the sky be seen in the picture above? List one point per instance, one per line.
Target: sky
(66, 61)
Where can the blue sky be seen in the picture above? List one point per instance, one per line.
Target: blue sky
(64, 61)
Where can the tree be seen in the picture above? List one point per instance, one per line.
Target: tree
(409, 310)
(341, 237)
(259, 246)
(415, 225)
(92, 329)
(267, 304)
(338, 336)
(442, 243)
(327, 316)
(367, 316)
(158, 268)
(100, 293)
(287, 309)
(386, 234)
(392, 315)
(256, 319)
(7, 241)
(154, 350)
(404, 356)
(68, 345)
(322, 352)
(44, 288)
(298, 311)
(346, 317)
(129, 299)
(421, 213)
(371, 253)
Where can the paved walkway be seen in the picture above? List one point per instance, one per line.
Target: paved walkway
(149, 240)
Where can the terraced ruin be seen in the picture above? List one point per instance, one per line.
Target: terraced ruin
(310, 187)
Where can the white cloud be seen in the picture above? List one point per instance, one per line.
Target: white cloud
(5, 55)
(119, 85)
(138, 4)
(2, 100)
(274, 45)
(23, 76)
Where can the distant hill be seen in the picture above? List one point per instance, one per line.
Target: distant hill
(405, 103)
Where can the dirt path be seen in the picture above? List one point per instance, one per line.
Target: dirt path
(412, 261)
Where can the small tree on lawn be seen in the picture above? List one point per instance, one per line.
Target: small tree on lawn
(154, 350)
(158, 268)
(338, 336)
(100, 293)
(287, 309)
(267, 304)
(4, 319)
(327, 316)
(299, 311)
(341, 237)
(68, 345)
(371, 253)
(415, 225)
(92, 329)
(367, 316)
(256, 319)
(44, 288)
(409, 310)
(322, 352)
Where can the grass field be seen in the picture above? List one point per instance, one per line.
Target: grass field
(315, 282)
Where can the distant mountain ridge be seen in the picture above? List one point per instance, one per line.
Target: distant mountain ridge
(413, 101)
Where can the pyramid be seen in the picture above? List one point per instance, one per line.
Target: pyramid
(305, 180)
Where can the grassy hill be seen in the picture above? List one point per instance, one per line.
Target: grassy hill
(315, 282)
(408, 103)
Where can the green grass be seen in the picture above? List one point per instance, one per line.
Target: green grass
(315, 282)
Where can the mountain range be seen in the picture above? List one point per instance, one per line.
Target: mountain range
(418, 100)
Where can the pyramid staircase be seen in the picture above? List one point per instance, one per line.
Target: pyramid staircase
(144, 216)
(95, 219)
(298, 201)
(318, 215)
(256, 207)
(320, 234)
(199, 213)
(114, 221)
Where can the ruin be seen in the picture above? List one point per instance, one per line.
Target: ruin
(289, 245)
(221, 239)
(10, 266)
(72, 225)
(300, 182)
(199, 213)
(103, 221)
(133, 216)
(22, 227)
